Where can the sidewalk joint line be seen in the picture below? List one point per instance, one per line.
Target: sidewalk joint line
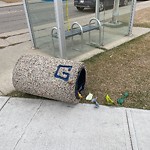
(132, 131)
(4, 104)
(129, 129)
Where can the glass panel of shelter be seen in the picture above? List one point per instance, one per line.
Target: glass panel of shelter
(79, 45)
(116, 20)
(42, 19)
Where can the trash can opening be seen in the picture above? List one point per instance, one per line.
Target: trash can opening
(80, 82)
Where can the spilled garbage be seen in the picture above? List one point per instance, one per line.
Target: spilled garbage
(89, 97)
(121, 100)
(109, 100)
(79, 95)
(94, 100)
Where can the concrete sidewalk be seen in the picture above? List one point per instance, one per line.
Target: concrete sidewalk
(44, 124)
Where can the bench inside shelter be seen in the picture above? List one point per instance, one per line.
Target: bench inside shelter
(77, 29)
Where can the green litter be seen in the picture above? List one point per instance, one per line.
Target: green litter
(121, 100)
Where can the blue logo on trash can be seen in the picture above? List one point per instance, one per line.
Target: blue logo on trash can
(62, 72)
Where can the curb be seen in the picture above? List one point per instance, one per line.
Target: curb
(11, 4)
(14, 33)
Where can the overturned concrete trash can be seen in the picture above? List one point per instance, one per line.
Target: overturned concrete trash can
(49, 77)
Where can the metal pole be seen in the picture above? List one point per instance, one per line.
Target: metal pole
(97, 9)
(115, 11)
(133, 7)
(60, 27)
(26, 9)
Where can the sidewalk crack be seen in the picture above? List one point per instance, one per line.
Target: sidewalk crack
(28, 124)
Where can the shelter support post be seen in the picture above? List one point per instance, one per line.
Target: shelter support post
(60, 27)
(115, 13)
(97, 9)
(133, 7)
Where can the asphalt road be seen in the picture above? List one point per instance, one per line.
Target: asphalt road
(13, 18)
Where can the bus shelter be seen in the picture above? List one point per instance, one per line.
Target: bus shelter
(60, 29)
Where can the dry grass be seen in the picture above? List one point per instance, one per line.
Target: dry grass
(125, 68)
